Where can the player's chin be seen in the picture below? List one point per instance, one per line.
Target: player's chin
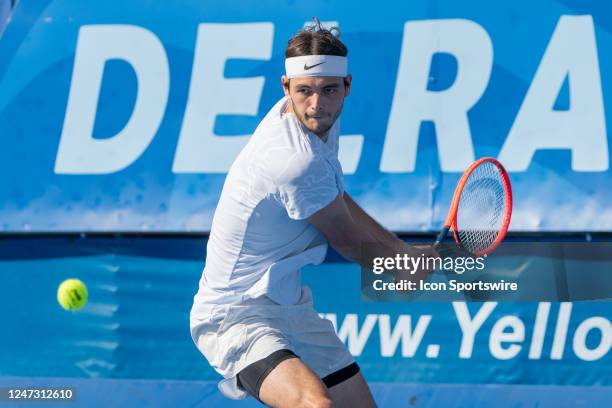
(318, 126)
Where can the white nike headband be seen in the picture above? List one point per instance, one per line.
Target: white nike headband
(316, 66)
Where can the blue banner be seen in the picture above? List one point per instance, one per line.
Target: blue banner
(127, 118)
(141, 291)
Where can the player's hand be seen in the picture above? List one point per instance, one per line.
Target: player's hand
(420, 254)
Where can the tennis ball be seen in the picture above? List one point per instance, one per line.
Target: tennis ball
(72, 294)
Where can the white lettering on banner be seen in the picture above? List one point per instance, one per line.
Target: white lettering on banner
(565, 310)
(412, 103)
(402, 330)
(571, 54)
(469, 327)
(79, 152)
(349, 152)
(539, 331)
(350, 334)
(356, 336)
(499, 336)
(199, 149)
(579, 344)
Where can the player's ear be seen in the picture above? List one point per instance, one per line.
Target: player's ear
(347, 85)
(285, 83)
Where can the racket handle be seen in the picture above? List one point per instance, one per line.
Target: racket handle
(441, 236)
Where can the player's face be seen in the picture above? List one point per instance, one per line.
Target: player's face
(317, 101)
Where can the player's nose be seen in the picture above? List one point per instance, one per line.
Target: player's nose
(315, 102)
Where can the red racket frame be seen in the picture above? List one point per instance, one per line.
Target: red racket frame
(451, 219)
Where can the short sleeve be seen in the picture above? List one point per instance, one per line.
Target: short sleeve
(308, 184)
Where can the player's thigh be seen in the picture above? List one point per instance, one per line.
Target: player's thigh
(292, 384)
(353, 392)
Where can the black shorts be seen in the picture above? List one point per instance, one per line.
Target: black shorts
(252, 376)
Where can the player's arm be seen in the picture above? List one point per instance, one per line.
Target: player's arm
(341, 230)
(348, 236)
(378, 232)
(347, 228)
(365, 221)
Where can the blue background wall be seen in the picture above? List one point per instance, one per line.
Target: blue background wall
(524, 82)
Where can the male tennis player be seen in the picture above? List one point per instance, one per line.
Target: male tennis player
(282, 202)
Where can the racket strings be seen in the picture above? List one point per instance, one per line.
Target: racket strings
(481, 208)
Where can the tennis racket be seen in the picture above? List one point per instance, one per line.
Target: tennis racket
(480, 212)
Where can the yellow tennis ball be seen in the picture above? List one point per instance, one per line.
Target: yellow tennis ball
(72, 294)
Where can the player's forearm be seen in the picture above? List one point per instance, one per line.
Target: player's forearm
(361, 247)
(351, 232)
(352, 246)
(373, 228)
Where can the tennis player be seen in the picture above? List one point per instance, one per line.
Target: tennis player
(283, 201)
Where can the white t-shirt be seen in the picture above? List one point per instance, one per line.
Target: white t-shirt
(260, 237)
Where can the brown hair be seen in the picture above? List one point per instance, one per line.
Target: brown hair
(316, 40)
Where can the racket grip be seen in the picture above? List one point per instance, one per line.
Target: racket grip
(441, 236)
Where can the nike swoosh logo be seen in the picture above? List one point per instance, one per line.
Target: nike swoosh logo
(306, 67)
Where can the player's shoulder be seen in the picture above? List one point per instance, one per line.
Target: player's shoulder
(287, 165)
(281, 147)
